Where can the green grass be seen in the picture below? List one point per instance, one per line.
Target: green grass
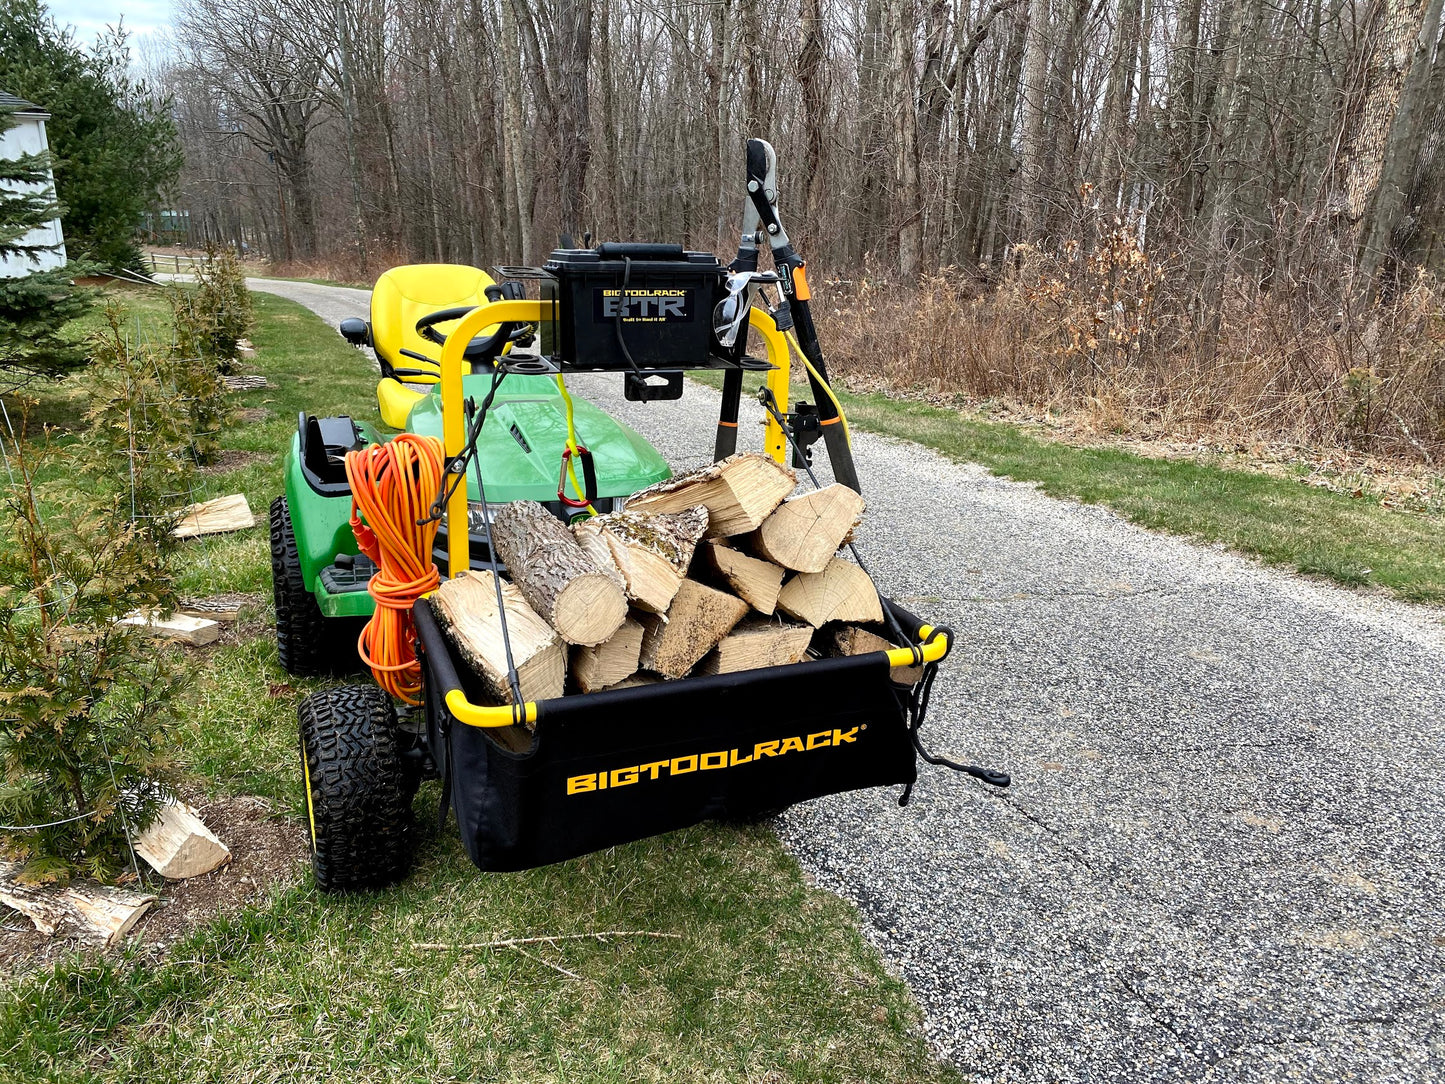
(1357, 542)
(768, 980)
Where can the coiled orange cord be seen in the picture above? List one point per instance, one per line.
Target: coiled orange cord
(393, 486)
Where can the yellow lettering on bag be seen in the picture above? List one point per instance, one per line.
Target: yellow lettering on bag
(731, 758)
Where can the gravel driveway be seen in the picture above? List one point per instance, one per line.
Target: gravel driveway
(1221, 857)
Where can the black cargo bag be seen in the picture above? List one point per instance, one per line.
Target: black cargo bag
(611, 767)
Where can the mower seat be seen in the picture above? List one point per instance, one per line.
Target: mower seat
(400, 298)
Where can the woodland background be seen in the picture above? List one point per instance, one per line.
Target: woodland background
(1183, 215)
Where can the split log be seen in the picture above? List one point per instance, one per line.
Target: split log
(178, 845)
(851, 640)
(752, 579)
(605, 665)
(466, 609)
(224, 608)
(573, 592)
(246, 383)
(757, 644)
(805, 532)
(652, 551)
(88, 912)
(639, 678)
(841, 592)
(182, 628)
(739, 492)
(698, 618)
(215, 517)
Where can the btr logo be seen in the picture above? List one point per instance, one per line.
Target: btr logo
(653, 306)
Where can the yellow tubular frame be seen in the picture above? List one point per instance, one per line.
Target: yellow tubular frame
(454, 438)
(775, 441)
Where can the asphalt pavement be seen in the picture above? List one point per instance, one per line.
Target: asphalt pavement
(1221, 856)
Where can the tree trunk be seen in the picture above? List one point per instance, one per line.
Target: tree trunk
(1032, 146)
(574, 125)
(1397, 160)
(514, 147)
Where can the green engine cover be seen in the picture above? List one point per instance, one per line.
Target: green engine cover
(525, 432)
(520, 451)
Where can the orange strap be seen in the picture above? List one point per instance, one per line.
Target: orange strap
(392, 487)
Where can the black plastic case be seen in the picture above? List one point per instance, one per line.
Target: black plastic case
(667, 319)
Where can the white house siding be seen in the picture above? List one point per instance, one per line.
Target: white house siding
(28, 137)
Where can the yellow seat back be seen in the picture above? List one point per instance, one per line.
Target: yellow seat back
(403, 295)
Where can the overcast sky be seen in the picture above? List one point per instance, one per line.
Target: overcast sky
(142, 17)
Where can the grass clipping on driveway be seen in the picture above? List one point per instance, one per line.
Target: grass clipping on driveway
(767, 980)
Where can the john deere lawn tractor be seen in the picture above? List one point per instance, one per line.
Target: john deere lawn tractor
(320, 575)
(473, 373)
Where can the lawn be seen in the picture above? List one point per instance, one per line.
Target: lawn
(767, 979)
(1358, 542)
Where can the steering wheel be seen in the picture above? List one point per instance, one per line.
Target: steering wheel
(481, 348)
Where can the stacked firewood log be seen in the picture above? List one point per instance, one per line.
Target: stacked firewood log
(714, 571)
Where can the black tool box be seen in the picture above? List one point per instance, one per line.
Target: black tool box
(653, 302)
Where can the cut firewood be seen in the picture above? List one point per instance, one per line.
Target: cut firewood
(752, 579)
(224, 608)
(215, 517)
(580, 597)
(841, 592)
(651, 550)
(466, 608)
(697, 619)
(739, 492)
(755, 644)
(178, 845)
(249, 382)
(805, 532)
(87, 912)
(634, 681)
(851, 640)
(608, 663)
(194, 631)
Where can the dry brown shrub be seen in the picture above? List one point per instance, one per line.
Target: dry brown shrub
(1115, 339)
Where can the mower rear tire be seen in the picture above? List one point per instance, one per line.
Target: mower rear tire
(302, 645)
(358, 796)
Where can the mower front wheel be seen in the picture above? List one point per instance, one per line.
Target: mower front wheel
(358, 792)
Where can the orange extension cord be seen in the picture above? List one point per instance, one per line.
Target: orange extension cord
(393, 486)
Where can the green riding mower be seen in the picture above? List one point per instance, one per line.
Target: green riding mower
(473, 372)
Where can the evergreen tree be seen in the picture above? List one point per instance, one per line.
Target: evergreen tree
(35, 306)
(114, 142)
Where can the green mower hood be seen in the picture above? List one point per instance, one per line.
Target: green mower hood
(522, 440)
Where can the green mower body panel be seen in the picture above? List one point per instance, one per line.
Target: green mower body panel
(525, 433)
(520, 451)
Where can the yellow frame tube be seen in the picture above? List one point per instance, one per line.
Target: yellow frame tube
(775, 441)
(464, 711)
(454, 424)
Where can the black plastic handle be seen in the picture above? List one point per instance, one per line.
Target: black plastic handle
(640, 250)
